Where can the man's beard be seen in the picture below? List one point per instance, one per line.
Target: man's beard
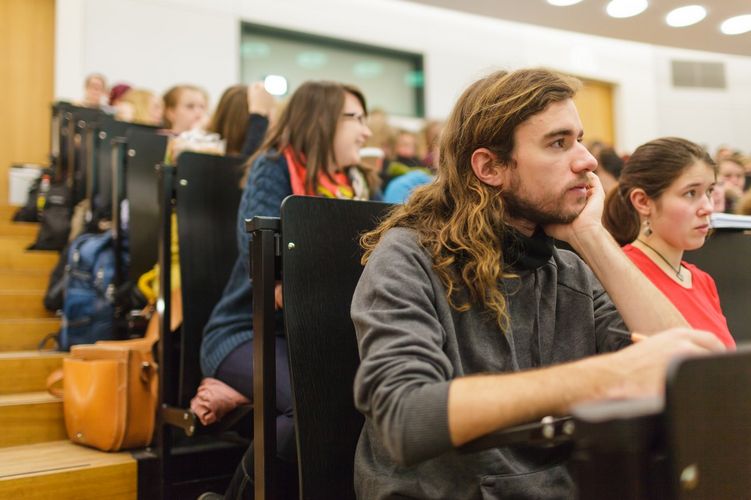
(541, 212)
(519, 208)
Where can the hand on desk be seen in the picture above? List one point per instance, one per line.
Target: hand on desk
(642, 366)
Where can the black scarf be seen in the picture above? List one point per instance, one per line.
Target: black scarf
(526, 253)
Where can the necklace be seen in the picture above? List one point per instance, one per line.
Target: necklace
(666, 261)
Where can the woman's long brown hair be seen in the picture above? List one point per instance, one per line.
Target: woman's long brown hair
(230, 118)
(308, 125)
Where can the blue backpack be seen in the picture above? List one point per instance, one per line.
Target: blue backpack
(89, 297)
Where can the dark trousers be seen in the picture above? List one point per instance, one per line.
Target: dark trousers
(237, 371)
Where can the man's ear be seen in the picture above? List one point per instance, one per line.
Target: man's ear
(486, 167)
(642, 203)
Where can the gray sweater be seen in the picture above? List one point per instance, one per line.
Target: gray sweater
(412, 344)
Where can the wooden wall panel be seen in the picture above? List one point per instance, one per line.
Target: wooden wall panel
(27, 38)
(595, 104)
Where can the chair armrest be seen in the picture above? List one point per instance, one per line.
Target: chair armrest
(185, 419)
(547, 432)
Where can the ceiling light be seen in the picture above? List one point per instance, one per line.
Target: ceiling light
(626, 8)
(685, 16)
(563, 3)
(736, 25)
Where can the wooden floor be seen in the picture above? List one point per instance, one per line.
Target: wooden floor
(36, 459)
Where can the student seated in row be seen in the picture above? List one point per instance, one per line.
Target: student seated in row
(468, 318)
(185, 108)
(661, 209)
(313, 149)
(242, 118)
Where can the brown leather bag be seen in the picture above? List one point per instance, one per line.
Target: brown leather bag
(110, 393)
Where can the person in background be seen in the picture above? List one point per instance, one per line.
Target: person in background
(609, 166)
(723, 152)
(242, 117)
(718, 197)
(399, 189)
(116, 93)
(94, 91)
(405, 149)
(743, 207)
(733, 176)
(404, 159)
(431, 134)
(139, 106)
(382, 133)
(379, 145)
(313, 149)
(660, 210)
(185, 108)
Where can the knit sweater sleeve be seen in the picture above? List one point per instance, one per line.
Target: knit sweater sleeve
(402, 382)
(254, 133)
(231, 321)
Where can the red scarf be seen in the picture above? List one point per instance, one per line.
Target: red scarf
(336, 185)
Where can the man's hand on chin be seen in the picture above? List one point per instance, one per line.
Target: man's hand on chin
(590, 218)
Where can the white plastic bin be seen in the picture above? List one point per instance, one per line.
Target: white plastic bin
(20, 179)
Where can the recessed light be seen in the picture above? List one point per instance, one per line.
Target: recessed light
(626, 8)
(736, 25)
(563, 3)
(685, 16)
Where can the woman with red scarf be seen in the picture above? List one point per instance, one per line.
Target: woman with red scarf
(313, 149)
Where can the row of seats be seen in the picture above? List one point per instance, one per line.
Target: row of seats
(106, 162)
(315, 243)
(622, 449)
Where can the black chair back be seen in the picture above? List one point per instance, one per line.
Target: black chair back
(204, 192)
(207, 196)
(100, 184)
(693, 445)
(708, 410)
(725, 256)
(69, 147)
(320, 268)
(143, 151)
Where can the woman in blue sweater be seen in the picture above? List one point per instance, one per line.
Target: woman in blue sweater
(313, 149)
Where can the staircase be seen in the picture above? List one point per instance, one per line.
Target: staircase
(36, 459)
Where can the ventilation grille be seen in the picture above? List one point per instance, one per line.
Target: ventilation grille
(707, 75)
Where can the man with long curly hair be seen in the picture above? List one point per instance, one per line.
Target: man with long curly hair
(470, 320)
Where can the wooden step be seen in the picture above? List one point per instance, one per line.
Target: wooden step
(31, 279)
(32, 417)
(25, 229)
(7, 211)
(19, 244)
(18, 259)
(26, 333)
(15, 238)
(27, 371)
(15, 242)
(62, 470)
(23, 304)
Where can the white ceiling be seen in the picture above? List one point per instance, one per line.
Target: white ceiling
(648, 27)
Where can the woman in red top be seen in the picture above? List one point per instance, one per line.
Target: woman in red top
(660, 209)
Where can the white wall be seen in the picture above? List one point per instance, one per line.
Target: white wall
(158, 43)
(710, 117)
